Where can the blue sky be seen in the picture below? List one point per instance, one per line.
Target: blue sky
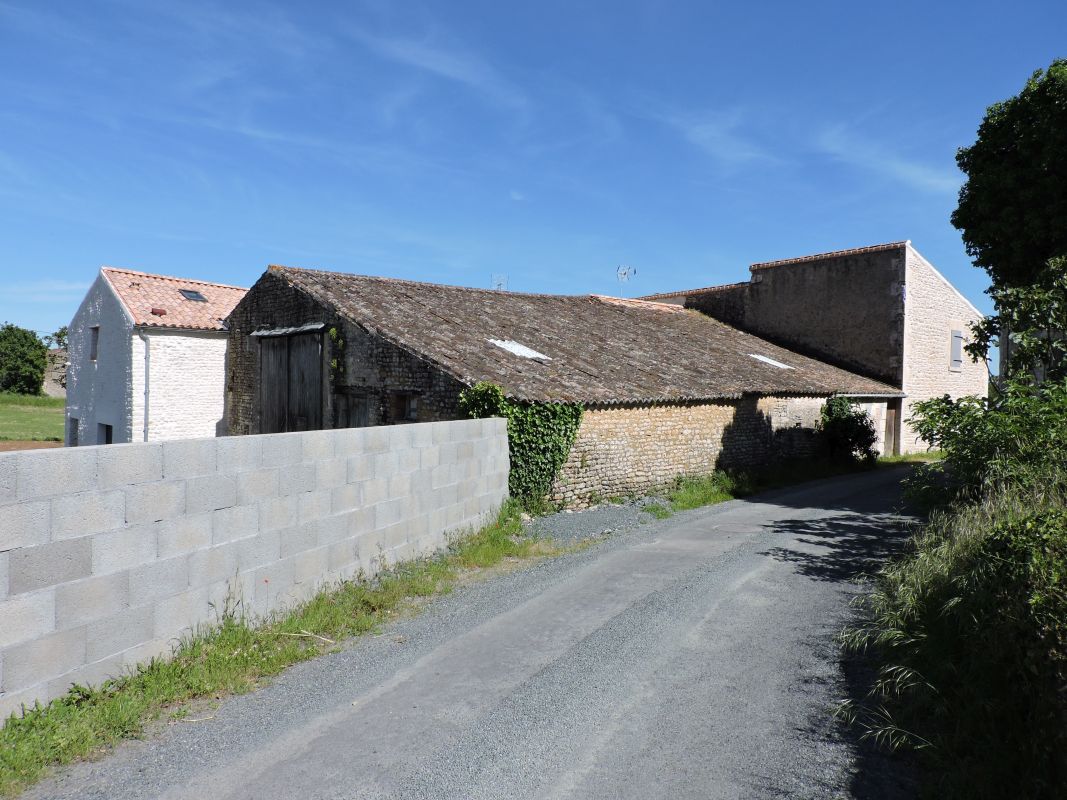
(549, 142)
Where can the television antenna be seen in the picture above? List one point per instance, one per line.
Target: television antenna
(624, 273)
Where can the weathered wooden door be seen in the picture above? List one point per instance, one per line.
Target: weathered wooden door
(350, 411)
(273, 383)
(892, 428)
(290, 382)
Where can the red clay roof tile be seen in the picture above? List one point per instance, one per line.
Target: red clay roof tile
(145, 295)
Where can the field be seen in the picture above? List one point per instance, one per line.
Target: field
(25, 418)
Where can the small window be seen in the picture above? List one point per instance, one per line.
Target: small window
(103, 433)
(193, 294)
(94, 342)
(956, 359)
(404, 408)
(72, 432)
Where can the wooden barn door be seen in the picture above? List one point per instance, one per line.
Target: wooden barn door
(892, 428)
(290, 383)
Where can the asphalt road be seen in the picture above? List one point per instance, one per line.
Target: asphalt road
(686, 658)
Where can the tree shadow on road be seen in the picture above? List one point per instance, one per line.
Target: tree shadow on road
(846, 548)
(842, 547)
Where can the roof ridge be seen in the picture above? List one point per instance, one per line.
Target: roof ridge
(874, 248)
(126, 271)
(407, 282)
(719, 288)
(638, 302)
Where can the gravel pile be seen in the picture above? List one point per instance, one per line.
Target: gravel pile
(570, 527)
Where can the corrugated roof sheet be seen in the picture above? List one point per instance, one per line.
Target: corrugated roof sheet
(145, 295)
(600, 350)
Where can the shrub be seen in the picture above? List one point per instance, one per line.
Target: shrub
(847, 433)
(23, 358)
(971, 635)
(1015, 436)
(540, 437)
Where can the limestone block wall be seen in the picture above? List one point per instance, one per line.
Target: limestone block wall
(109, 554)
(934, 308)
(626, 450)
(845, 309)
(186, 384)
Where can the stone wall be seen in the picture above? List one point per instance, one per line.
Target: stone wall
(628, 450)
(847, 310)
(935, 309)
(186, 384)
(360, 369)
(109, 554)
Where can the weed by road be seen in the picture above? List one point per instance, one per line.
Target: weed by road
(237, 656)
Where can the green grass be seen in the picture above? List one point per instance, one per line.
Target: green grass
(912, 458)
(688, 491)
(694, 492)
(235, 657)
(31, 417)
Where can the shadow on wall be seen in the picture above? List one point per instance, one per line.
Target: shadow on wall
(751, 440)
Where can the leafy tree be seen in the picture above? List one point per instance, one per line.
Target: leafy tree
(22, 360)
(1013, 206)
(1032, 320)
(57, 339)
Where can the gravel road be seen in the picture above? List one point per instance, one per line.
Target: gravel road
(690, 657)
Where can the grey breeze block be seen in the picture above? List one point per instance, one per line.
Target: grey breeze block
(110, 554)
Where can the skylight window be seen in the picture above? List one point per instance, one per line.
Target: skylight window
(193, 294)
(518, 349)
(770, 361)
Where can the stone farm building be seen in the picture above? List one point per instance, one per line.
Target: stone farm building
(147, 359)
(667, 390)
(881, 311)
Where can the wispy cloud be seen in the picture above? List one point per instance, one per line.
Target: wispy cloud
(42, 23)
(841, 144)
(449, 63)
(46, 291)
(13, 169)
(387, 157)
(516, 195)
(724, 136)
(266, 28)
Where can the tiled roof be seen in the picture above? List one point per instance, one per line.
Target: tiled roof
(585, 348)
(157, 301)
(856, 251)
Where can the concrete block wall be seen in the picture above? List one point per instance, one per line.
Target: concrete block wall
(109, 554)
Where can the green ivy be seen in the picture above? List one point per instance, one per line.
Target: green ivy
(540, 437)
(337, 363)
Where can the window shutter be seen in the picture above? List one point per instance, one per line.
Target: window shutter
(956, 363)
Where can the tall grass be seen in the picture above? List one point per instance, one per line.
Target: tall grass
(969, 635)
